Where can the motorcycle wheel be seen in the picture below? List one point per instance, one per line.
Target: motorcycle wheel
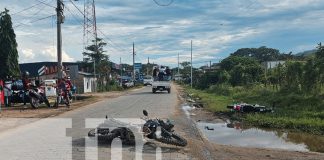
(173, 140)
(34, 102)
(125, 134)
(108, 137)
(47, 102)
(67, 101)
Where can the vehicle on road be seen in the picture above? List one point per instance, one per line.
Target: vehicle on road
(127, 82)
(162, 79)
(153, 128)
(161, 86)
(148, 80)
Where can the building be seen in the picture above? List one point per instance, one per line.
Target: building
(85, 82)
(272, 64)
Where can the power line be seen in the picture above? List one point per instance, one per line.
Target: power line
(163, 5)
(36, 20)
(106, 37)
(77, 20)
(43, 2)
(76, 7)
(30, 7)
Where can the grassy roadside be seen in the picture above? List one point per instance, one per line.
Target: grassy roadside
(292, 110)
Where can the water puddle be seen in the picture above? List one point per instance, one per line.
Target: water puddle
(235, 134)
(186, 108)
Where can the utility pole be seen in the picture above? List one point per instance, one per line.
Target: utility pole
(178, 65)
(121, 71)
(133, 60)
(147, 67)
(210, 65)
(60, 20)
(191, 66)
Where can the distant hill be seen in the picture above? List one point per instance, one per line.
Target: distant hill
(307, 53)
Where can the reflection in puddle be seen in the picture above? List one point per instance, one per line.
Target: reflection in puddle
(186, 108)
(235, 134)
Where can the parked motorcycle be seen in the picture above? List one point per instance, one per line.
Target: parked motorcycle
(156, 129)
(64, 97)
(37, 97)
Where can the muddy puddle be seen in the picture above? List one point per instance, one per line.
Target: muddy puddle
(236, 134)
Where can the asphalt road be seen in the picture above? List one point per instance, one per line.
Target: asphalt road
(65, 137)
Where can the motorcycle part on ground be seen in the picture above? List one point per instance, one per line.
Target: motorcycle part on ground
(126, 135)
(173, 140)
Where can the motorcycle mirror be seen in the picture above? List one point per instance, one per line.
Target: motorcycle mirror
(145, 112)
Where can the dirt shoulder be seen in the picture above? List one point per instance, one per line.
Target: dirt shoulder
(14, 117)
(200, 148)
(21, 111)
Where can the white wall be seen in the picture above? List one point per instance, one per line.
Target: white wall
(88, 83)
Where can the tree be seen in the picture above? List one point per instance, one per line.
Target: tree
(185, 71)
(96, 57)
(8, 47)
(242, 70)
(319, 62)
(263, 54)
(294, 75)
(309, 79)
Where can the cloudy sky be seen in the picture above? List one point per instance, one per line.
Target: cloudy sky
(216, 27)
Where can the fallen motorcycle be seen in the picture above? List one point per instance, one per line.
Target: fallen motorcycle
(156, 129)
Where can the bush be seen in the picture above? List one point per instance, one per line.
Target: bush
(223, 90)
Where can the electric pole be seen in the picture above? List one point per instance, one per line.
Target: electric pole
(121, 71)
(133, 60)
(60, 19)
(210, 65)
(178, 66)
(147, 67)
(191, 66)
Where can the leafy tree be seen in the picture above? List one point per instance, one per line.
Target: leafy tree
(242, 70)
(294, 75)
(186, 69)
(309, 79)
(95, 53)
(319, 62)
(263, 54)
(8, 47)
(207, 79)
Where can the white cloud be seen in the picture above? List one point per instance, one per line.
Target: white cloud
(217, 28)
(26, 54)
(51, 53)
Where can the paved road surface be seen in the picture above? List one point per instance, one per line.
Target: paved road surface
(62, 137)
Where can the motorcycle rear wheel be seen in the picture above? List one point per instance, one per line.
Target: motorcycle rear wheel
(34, 102)
(175, 139)
(47, 102)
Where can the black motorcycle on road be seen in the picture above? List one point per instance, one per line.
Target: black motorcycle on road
(155, 129)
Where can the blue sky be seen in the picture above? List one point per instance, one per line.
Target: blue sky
(216, 27)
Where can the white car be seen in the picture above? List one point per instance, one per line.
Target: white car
(130, 83)
(148, 80)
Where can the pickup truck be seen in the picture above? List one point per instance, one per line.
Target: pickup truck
(161, 86)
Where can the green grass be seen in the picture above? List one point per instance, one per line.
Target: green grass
(291, 110)
(212, 102)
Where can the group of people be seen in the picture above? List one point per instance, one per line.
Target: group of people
(64, 85)
(162, 73)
